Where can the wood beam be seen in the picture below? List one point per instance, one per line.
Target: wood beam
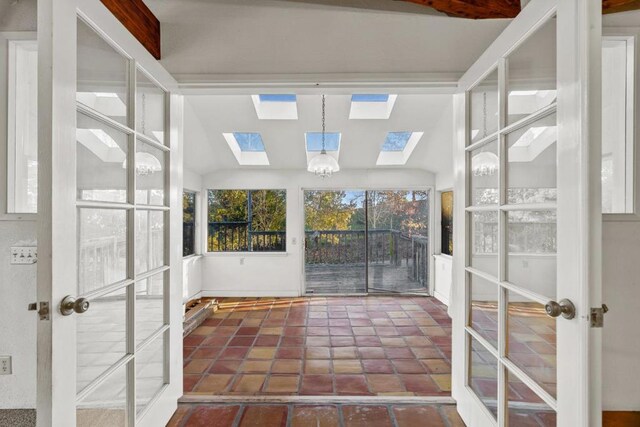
(139, 20)
(614, 6)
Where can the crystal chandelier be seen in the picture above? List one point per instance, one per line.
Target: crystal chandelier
(323, 164)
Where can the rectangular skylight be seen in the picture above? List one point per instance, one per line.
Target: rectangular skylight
(371, 97)
(277, 98)
(396, 141)
(314, 141)
(249, 141)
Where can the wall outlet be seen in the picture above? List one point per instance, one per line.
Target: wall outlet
(24, 254)
(241, 261)
(5, 365)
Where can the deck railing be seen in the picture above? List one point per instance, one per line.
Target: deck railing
(236, 237)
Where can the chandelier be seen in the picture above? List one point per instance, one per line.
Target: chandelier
(323, 165)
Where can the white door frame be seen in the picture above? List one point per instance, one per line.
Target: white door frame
(579, 210)
(57, 266)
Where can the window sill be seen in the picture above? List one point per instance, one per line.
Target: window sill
(193, 256)
(246, 254)
(443, 256)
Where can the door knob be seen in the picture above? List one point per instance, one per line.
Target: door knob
(70, 304)
(564, 308)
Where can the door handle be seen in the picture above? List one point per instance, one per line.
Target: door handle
(70, 304)
(564, 308)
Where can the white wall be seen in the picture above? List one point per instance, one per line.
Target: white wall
(443, 272)
(253, 274)
(192, 265)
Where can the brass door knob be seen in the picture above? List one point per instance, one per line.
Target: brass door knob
(564, 308)
(70, 305)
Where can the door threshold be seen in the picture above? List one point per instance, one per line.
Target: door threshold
(358, 400)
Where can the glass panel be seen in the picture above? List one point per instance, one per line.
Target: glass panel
(531, 257)
(149, 372)
(525, 407)
(188, 223)
(484, 174)
(247, 221)
(102, 75)
(484, 308)
(485, 241)
(101, 161)
(102, 257)
(149, 240)
(150, 106)
(532, 162)
(484, 108)
(101, 333)
(107, 404)
(22, 127)
(446, 223)
(150, 176)
(532, 340)
(398, 240)
(335, 241)
(617, 123)
(149, 306)
(532, 73)
(483, 375)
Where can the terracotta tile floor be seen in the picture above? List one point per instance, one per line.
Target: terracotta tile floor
(268, 415)
(353, 346)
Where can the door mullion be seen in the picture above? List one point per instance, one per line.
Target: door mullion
(366, 242)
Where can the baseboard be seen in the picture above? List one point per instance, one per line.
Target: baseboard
(620, 418)
(441, 297)
(197, 295)
(249, 294)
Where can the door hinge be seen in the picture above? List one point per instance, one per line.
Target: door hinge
(597, 316)
(43, 312)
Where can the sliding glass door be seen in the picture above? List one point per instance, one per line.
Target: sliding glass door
(366, 241)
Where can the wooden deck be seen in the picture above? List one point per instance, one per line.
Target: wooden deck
(350, 278)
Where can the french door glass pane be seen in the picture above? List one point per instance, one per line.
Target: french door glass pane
(484, 108)
(525, 407)
(531, 256)
(149, 306)
(532, 74)
(150, 174)
(485, 241)
(149, 372)
(531, 155)
(101, 336)
(483, 375)
(107, 404)
(102, 75)
(484, 176)
(101, 161)
(484, 308)
(102, 258)
(335, 241)
(149, 240)
(150, 106)
(398, 245)
(532, 340)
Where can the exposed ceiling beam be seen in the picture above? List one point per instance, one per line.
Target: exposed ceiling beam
(139, 20)
(613, 6)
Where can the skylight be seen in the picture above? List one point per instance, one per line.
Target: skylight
(314, 141)
(396, 141)
(281, 106)
(247, 148)
(249, 141)
(371, 106)
(397, 148)
(277, 98)
(370, 97)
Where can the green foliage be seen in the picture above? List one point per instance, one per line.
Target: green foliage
(328, 210)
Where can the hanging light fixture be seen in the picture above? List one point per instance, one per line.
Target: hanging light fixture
(485, 163)
(323, 164)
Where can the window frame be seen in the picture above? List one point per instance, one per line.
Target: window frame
(5, 181)
(205, 221)
(632, 37)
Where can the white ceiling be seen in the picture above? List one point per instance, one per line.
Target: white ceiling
(208, 116)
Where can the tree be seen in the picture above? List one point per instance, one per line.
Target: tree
(328, 210)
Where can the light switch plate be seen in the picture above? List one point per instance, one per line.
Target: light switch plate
(5, 365)
(24, 254)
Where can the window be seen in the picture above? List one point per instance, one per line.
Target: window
(188, 223)
(22, 135)
(247, 221)
(446, 223)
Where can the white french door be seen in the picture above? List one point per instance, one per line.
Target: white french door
(528, 222)
(109, 346)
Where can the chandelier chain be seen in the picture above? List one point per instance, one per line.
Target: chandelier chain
(323, 123)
